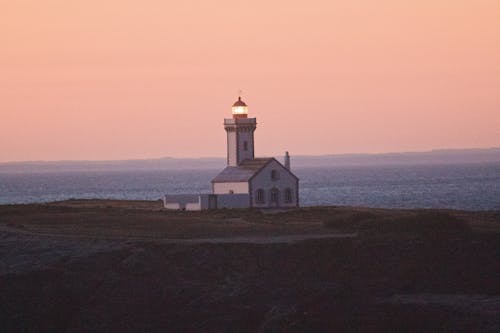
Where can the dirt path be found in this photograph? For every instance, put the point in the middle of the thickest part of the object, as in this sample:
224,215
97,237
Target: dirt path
23,250
212,240
265,239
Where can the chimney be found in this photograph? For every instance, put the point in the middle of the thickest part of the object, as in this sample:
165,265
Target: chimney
287,161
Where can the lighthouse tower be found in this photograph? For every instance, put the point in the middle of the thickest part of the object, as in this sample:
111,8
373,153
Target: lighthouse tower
239,128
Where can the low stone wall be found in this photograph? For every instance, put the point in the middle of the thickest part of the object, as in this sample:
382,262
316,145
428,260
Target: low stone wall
195,202
181,201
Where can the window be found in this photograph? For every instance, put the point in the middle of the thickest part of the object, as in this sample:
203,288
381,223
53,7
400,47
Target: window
288,195
274,195
260,196
245,145
275,175
231,192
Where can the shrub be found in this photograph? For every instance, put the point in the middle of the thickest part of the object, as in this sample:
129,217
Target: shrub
349,220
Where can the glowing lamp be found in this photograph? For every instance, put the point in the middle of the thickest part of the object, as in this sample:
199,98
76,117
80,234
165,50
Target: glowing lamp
239,109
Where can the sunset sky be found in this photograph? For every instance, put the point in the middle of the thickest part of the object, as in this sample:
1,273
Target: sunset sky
109,79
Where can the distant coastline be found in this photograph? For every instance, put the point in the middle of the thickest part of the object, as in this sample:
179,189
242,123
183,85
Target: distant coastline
442,156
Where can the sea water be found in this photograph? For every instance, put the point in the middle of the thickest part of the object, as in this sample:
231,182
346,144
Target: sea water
458,186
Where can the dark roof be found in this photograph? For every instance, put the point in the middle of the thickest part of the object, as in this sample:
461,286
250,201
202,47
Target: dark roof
239,102
242,172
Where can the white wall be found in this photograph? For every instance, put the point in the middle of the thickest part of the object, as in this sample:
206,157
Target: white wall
231,148
239,131
242,137
172,205
204,201
193,206
225,188
263,180
233,201
182,201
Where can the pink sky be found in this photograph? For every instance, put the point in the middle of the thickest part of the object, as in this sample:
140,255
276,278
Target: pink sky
143,79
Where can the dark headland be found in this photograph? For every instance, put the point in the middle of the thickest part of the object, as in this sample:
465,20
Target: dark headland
130,266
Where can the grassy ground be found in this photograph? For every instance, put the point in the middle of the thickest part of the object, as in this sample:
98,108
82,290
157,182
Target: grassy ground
118,266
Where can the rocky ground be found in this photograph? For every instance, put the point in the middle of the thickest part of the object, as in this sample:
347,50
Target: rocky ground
128,266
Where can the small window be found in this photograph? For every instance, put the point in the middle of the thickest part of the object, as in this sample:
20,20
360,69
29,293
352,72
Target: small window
275,175
231,192
260,196
245,145
274,195
288,195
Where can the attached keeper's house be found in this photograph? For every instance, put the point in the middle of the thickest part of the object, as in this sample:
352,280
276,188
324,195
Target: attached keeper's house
246,181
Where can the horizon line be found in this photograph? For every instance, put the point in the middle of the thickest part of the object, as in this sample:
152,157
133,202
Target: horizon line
222,157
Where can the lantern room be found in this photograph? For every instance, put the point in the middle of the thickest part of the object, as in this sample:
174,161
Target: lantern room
240,109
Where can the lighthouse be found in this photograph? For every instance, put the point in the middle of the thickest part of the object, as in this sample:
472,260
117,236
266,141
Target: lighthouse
239,129
259,181
246,181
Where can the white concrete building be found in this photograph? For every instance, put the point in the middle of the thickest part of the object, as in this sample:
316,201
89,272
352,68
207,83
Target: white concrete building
246,181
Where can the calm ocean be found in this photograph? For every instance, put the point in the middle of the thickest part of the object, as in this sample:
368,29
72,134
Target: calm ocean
460,186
